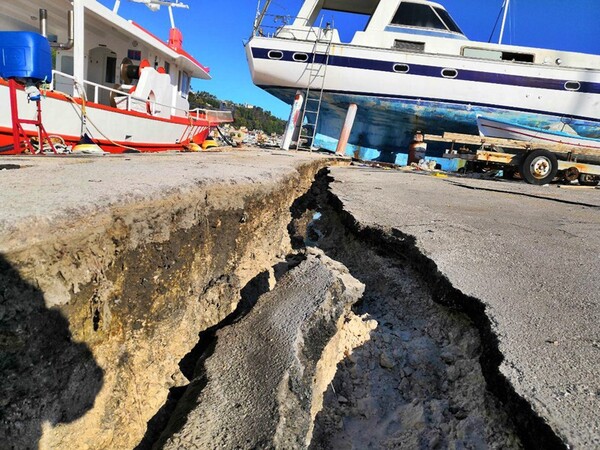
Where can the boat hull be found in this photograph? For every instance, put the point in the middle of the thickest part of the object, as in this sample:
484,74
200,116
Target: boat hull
114,130
392,106
580,148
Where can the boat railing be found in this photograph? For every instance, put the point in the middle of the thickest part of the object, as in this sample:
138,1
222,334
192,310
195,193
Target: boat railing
211,115
282,26
128,101
272,24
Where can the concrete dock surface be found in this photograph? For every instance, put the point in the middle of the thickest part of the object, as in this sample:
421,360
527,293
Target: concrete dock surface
530,254
42,193
147,250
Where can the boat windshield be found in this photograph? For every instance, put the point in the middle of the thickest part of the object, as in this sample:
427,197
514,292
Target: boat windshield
424,16
347,24
448,20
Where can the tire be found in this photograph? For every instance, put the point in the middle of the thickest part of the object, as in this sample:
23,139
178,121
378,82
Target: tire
539,167
588,180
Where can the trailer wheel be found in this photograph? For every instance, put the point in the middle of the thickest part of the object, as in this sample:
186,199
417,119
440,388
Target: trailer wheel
588,180
539,167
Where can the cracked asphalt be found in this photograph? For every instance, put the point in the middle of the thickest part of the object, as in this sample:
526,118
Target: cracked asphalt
530,254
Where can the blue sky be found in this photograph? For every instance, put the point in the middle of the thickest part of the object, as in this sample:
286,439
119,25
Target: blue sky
214,31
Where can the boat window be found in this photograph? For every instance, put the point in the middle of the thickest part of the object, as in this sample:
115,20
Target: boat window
401,68
496,55
449,73
346,23
184,84
167,67
417,15
572,85
517,57
409,46
300,57
448,20
275,54
482,53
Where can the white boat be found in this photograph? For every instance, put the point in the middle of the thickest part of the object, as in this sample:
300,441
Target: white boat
561,138
112,83
412,68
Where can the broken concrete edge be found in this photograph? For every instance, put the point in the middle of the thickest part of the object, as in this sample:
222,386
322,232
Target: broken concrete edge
119,296
297,338
119,226
319,349
533,429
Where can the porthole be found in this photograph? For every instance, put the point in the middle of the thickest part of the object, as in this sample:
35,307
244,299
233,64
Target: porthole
275,54
300,57
401,68
572,85
449,73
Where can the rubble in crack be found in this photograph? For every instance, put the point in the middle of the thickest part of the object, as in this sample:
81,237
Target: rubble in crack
263,384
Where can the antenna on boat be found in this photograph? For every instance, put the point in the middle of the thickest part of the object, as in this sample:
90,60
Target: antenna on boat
506,5
154,5
260,15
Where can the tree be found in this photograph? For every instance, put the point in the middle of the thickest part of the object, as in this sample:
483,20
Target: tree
251,118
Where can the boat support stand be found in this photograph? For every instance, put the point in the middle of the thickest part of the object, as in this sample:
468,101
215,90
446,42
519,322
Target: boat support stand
20,138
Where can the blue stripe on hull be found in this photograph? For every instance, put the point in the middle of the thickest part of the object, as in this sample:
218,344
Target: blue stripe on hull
385,126
436,72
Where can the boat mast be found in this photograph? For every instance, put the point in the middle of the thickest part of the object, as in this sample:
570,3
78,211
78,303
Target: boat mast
506,4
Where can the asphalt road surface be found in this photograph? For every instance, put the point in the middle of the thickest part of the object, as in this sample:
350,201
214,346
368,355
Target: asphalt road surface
530,254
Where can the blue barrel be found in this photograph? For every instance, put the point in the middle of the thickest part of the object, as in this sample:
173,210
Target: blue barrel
25,55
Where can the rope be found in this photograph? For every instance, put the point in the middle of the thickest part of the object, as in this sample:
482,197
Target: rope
85,119
496,24
225,139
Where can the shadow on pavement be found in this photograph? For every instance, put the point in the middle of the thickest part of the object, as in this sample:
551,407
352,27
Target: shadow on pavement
44,375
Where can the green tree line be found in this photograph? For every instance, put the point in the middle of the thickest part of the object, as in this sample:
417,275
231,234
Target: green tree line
252,118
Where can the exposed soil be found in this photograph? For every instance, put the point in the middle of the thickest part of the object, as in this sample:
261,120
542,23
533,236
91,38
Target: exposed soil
418,382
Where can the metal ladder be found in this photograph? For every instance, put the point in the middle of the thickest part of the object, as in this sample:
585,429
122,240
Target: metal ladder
316,70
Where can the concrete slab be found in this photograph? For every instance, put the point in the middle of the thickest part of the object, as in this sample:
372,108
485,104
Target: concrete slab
109,269
45,193
530,254
259,387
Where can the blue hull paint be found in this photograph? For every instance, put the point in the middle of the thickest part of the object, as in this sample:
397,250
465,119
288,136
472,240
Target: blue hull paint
384,127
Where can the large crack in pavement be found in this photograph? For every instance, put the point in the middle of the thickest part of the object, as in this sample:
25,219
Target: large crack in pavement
304,364
262,383
418,382
400,248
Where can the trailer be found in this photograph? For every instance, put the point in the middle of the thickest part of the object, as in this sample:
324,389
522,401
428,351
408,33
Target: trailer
537,163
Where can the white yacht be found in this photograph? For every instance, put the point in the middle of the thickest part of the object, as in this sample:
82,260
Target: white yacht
412,68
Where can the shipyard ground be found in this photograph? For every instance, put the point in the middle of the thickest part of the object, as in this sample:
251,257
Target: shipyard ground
268,299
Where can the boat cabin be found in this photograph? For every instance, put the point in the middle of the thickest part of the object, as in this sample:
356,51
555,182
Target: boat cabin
101,56
420,26
420,17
